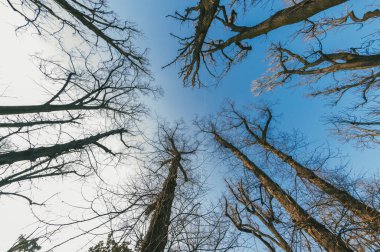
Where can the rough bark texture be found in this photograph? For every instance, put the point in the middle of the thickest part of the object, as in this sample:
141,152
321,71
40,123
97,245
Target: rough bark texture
366,213
316,230
157,235
207,12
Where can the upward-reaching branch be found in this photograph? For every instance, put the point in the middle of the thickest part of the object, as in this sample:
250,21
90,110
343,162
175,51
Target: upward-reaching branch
304,220
360,209
177,149
197,50
319,64
262,209
88,19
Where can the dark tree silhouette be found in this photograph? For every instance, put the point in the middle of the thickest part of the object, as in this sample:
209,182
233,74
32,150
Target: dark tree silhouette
199,49
92,21
320,233
262,207
107,93
340,207
157,234
330,70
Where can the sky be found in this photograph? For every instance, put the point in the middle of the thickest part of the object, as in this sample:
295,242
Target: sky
296,111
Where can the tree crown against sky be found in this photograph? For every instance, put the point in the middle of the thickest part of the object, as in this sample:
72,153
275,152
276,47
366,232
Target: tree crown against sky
100,89
306,53
94,82
100,81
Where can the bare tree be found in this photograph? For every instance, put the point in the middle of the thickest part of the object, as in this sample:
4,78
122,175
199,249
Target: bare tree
330,71
335,73
157,234
94,95
319,64
92,21
250,215
346,207
86,93
200,49
178,214
302,219
178,220
160,208
258,133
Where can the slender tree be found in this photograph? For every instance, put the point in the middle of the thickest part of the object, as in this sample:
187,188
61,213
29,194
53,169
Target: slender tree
320,233
255,214
102,82
170,206
258,135
92,21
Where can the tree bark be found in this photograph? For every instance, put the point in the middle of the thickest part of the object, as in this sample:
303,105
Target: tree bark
316,230
29,109
34,153
157,235
366,213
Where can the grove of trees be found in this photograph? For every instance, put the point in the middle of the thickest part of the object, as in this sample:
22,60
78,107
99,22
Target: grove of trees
281,192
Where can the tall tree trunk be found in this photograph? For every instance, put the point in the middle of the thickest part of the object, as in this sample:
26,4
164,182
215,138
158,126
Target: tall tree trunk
366,213
157,235
363,211
316,230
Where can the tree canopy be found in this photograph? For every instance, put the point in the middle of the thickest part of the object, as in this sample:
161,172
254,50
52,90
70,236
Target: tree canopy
232,179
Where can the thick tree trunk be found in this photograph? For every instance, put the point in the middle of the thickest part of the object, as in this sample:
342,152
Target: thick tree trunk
316,230
366,213
157,235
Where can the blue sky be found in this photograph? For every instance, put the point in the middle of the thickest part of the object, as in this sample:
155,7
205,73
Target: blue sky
295,109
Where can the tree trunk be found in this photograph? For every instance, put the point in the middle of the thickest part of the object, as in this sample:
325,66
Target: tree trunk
157,235
291,15
58,149
366,213
301,218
